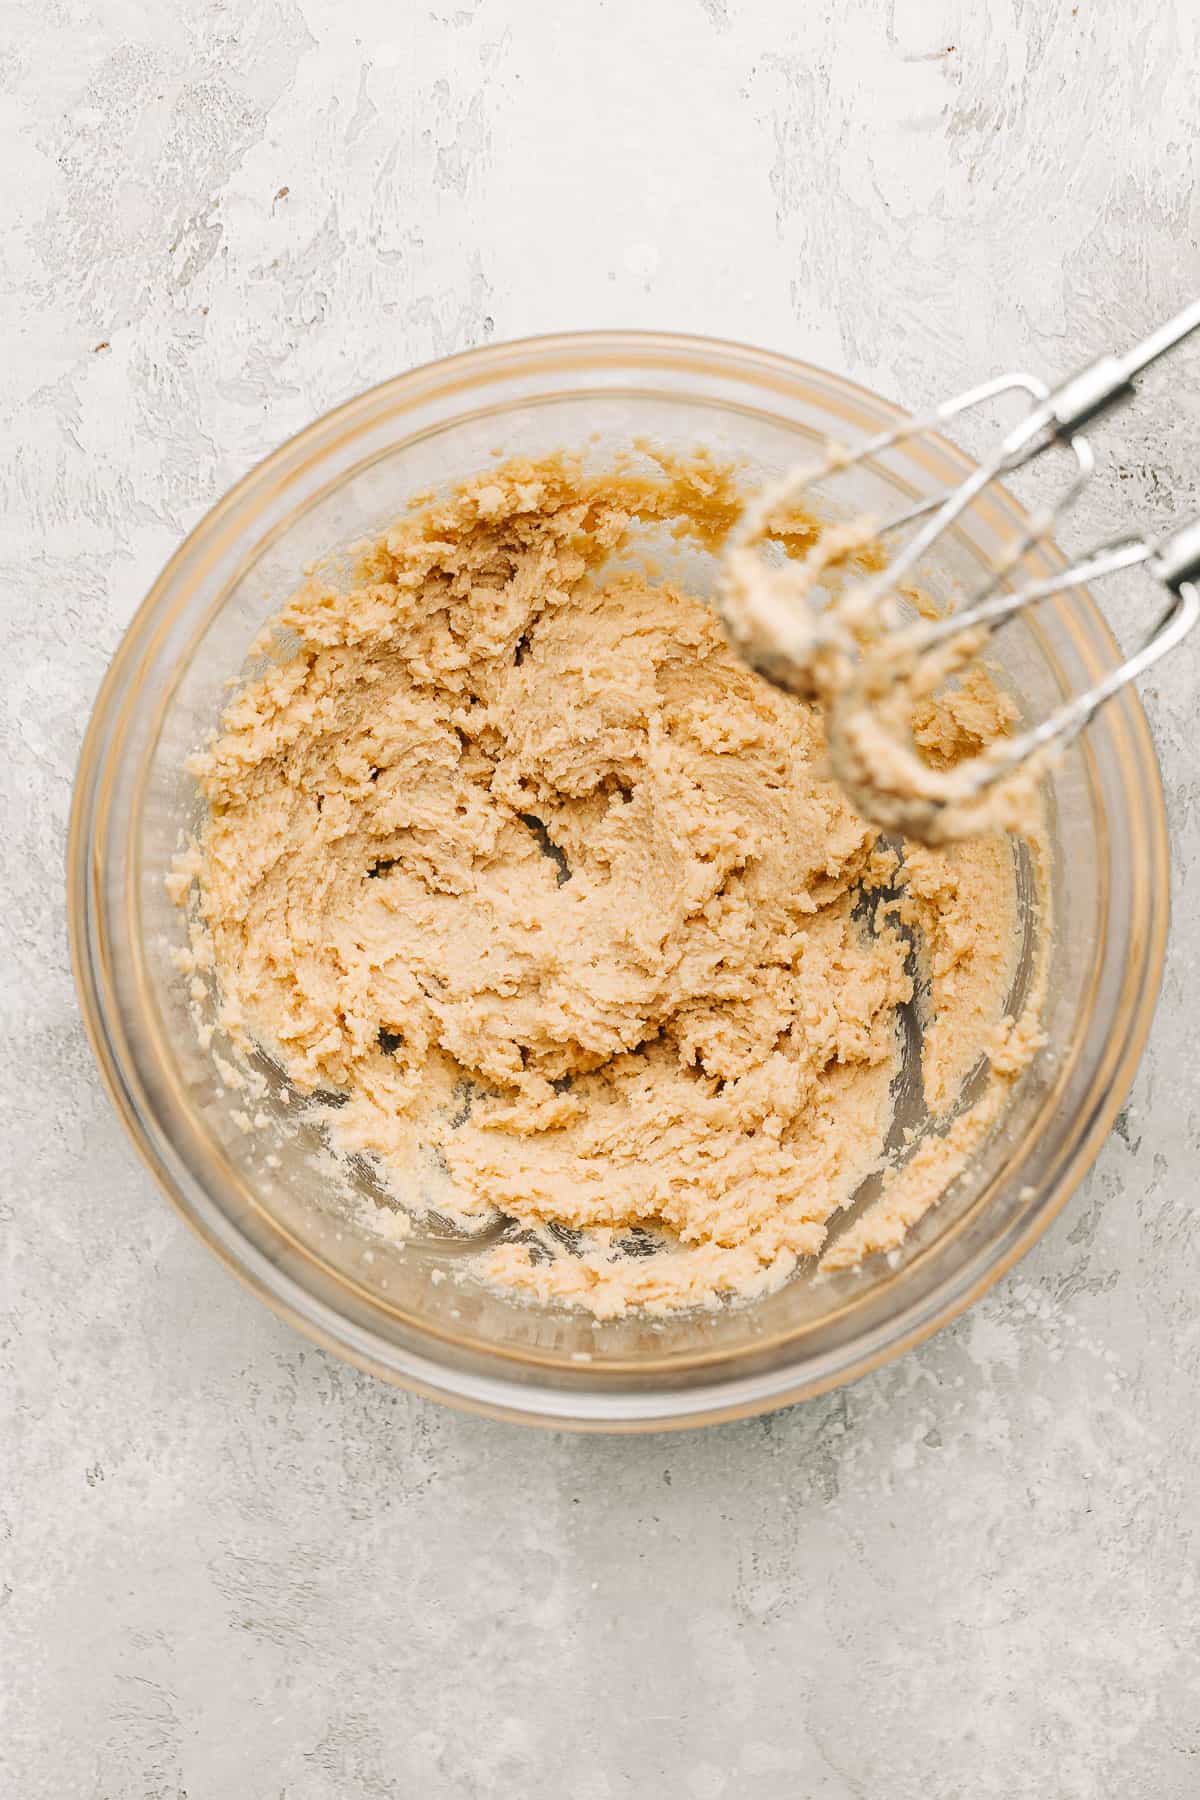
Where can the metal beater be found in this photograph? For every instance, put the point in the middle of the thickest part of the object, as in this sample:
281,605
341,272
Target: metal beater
857,654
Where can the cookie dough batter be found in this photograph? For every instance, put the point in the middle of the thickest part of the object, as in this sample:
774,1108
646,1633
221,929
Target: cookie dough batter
507,846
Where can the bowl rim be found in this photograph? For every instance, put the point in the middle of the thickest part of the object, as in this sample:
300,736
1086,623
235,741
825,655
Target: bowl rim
496,1396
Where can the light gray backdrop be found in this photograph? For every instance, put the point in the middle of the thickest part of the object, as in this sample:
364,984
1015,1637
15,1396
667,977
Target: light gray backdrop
233,1567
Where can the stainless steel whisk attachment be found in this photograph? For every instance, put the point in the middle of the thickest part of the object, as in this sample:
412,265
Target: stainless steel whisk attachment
869,665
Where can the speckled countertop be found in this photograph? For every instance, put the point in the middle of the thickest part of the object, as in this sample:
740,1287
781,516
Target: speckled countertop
233,1567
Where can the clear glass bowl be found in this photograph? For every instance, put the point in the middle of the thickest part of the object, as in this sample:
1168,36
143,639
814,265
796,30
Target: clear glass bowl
380,1305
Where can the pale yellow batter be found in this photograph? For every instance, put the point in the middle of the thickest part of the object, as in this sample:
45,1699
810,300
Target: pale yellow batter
510,848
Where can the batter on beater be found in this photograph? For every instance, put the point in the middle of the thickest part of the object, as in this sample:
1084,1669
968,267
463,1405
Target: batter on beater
510,849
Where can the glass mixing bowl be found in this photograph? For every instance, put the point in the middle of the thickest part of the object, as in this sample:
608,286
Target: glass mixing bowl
275,1221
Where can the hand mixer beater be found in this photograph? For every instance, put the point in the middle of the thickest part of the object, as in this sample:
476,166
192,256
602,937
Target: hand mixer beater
868,664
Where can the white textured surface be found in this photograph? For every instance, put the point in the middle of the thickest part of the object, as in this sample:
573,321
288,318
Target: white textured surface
233,1567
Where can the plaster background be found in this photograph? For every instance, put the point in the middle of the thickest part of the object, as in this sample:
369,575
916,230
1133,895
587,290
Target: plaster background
233,1567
